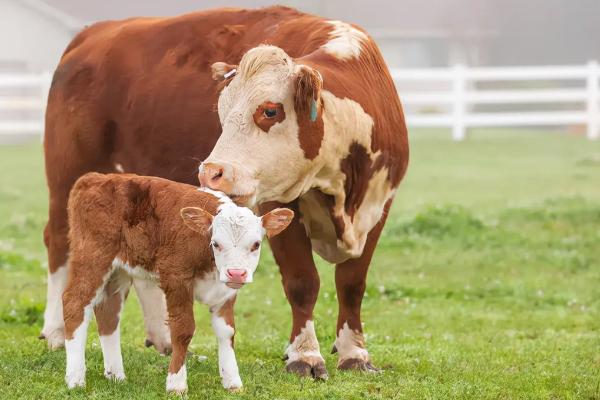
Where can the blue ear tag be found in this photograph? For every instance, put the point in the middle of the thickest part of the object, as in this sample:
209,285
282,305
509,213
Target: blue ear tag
313,110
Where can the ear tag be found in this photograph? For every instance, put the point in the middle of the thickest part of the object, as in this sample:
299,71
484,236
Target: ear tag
313,110
230,74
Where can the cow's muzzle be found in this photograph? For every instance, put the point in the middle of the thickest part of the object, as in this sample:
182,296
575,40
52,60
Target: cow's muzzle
226,178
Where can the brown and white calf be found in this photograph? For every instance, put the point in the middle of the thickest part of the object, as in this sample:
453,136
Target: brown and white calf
124,226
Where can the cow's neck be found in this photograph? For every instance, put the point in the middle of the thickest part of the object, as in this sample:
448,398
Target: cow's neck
346,193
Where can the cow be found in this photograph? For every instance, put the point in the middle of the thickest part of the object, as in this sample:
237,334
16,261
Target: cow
282,107
126,225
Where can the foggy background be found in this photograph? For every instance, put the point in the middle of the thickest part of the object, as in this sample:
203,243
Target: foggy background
411,33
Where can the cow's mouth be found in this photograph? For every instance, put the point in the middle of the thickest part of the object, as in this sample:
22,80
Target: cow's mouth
243,199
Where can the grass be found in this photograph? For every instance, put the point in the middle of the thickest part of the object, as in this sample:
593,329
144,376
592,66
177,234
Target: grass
486,285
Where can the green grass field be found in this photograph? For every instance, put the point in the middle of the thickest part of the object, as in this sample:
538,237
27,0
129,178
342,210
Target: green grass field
485,285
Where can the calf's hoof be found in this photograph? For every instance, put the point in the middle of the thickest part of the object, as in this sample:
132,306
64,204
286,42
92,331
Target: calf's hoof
357,364
75,379
316,369
55,339
117,376
232,383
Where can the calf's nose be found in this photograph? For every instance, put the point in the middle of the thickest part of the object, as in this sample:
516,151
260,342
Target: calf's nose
237,275
216,176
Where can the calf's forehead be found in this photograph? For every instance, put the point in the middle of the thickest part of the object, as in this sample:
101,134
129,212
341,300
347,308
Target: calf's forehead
236,224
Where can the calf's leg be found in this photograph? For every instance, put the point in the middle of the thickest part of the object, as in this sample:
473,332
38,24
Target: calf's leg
154,307
293,253
224,327
108,313
350,281
87,277
180,305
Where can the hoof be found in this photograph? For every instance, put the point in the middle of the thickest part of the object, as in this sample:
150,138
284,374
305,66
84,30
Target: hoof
114,376
55,340
162,349
357,364
304,369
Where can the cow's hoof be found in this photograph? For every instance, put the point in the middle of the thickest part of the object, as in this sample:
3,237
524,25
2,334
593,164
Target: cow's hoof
75,379
164,349
232,383
357,364
55,340
304,369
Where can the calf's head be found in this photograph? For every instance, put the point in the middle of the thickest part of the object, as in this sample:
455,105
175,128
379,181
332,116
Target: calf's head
236,235
270,112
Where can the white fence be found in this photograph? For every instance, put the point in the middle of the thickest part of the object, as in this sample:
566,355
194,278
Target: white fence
23,98
573,87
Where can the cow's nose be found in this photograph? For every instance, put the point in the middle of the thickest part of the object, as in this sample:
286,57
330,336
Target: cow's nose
237,275
214,176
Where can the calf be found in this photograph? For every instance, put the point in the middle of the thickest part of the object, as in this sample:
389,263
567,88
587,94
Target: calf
124,226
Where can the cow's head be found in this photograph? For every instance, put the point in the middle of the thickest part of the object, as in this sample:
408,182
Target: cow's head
271,114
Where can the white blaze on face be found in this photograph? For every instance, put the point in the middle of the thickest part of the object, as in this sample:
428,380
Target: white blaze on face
345,41
236,237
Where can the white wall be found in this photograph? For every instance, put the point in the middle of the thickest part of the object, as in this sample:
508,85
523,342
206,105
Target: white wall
29,36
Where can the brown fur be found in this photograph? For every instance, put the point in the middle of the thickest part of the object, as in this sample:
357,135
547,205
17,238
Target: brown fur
136,219
265,123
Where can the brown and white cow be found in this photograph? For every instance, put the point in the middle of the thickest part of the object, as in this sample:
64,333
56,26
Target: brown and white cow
311,120
124,226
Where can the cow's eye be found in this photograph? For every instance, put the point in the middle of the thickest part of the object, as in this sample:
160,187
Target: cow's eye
270,112
255,246
216,246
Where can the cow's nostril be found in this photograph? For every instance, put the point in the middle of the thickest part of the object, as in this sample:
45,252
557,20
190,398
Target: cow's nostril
218,175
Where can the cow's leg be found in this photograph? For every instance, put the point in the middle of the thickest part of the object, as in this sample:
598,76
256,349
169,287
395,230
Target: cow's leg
108,313
293,253
55,238
350,281
180,305
224,327
86,279
154,307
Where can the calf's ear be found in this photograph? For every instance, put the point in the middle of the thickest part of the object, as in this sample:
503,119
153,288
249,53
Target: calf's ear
277,220
309,83
196,218
222,71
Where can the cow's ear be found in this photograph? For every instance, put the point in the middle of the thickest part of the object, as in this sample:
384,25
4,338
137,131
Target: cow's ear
277,220
222,71
196,219
309,83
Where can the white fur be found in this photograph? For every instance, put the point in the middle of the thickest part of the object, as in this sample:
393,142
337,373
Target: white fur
111,352
75,349
53,328
228,368
345,41
154,306
211,291
177,382
350,344
305,346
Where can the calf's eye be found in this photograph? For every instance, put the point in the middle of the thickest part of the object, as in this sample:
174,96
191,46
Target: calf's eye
216,246
255,246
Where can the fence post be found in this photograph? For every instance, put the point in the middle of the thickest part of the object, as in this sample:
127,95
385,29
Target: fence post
45,82
458,89
593,97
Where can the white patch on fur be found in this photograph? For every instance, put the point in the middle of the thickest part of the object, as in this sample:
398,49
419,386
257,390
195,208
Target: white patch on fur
111,352
135,272
154,306
228,368
54,324
75,349
177,382
350,344
119,168
305,346
211,291
345,41
223,198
